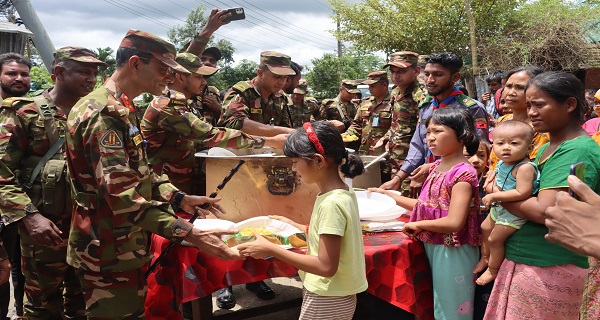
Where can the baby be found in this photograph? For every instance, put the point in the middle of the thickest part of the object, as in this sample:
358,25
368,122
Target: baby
516,179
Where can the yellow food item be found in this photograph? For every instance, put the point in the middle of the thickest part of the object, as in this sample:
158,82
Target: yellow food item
347,137
251,231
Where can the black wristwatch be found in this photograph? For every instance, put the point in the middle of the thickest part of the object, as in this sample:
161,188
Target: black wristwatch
347,124
176,204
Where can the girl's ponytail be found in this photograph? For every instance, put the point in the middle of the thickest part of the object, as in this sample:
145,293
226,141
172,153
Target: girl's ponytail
352,165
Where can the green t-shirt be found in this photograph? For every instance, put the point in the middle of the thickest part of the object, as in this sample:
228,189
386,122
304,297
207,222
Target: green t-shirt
336,212
528,245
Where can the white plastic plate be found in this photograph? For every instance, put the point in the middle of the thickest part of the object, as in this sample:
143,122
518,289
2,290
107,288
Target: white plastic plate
372,204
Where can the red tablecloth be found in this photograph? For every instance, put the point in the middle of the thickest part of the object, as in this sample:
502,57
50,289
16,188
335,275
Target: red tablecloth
397,272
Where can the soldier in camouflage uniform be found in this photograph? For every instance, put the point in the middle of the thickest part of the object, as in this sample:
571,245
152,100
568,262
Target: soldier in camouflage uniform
301,110
46,210
374,116
171,127
208,102
330,108
406,97
252,105
15,81
119,201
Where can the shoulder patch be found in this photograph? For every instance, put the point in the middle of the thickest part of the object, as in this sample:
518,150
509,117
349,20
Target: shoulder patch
111,139
116,110
467,101
242,86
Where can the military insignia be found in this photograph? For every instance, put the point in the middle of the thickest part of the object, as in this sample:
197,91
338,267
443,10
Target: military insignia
255,111
111,140
178,102
137,139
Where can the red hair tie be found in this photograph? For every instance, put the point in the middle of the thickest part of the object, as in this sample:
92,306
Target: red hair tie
312,136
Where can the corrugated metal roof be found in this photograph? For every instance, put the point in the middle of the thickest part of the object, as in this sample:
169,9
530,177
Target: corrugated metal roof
9,27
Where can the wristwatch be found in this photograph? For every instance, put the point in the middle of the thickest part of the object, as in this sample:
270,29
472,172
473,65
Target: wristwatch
176,203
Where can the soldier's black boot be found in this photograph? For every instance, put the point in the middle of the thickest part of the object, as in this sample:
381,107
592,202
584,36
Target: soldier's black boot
225,298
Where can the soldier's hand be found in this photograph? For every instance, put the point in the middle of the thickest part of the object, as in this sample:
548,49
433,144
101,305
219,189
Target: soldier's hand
43,231
380,143
209,241
215,20
4,271
192,204
277,141
338,125
393,184
211,102
415,189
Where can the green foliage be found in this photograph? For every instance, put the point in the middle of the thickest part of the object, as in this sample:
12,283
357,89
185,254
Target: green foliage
423,26
40,78
230,75
106,55
180,35
324,78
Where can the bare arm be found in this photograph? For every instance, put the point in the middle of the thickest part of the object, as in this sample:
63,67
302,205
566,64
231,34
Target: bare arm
405,202
325,264
259,129
460,199
533,208
213,23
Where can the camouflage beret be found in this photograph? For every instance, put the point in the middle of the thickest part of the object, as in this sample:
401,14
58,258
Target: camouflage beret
350,86
78,54
278,63
193,64
375,77
213,51
402,59
299,91
154,45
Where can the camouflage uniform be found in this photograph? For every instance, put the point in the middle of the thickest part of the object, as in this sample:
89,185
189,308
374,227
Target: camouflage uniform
405,108
172,129
119,201
372,120
329,108
204,112
36,125
303,113
243,100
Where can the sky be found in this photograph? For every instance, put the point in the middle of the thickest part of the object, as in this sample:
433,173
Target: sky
298,28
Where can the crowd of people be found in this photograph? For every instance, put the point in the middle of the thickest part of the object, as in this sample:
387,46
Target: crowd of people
85,179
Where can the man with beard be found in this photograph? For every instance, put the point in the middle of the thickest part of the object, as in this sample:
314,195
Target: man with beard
14,83
37,137
441,73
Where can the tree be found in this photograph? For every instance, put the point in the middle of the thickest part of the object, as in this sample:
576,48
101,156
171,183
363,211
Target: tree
230,75
324,77
40,79
106,55
554,40
180,35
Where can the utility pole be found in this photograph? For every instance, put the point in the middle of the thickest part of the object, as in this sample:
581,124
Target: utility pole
339,51
41,39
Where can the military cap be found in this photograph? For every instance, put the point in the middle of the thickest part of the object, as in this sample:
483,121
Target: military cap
303,84
402,59
278,63
423,59
597,94
213,51
193,64
78,54
375,77
154,45
350,86
299,90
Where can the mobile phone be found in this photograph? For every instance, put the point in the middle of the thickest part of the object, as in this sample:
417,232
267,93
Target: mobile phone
578,170
236,14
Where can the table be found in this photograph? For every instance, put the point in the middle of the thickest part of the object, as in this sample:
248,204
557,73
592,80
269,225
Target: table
397,272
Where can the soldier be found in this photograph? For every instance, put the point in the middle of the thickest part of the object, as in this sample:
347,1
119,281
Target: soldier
331,108
406,97
374,116
119,201
15,82
37,137
442,71
252,105
311,103
171,127
301,110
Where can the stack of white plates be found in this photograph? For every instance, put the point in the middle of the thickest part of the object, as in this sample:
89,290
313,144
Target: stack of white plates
379,212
